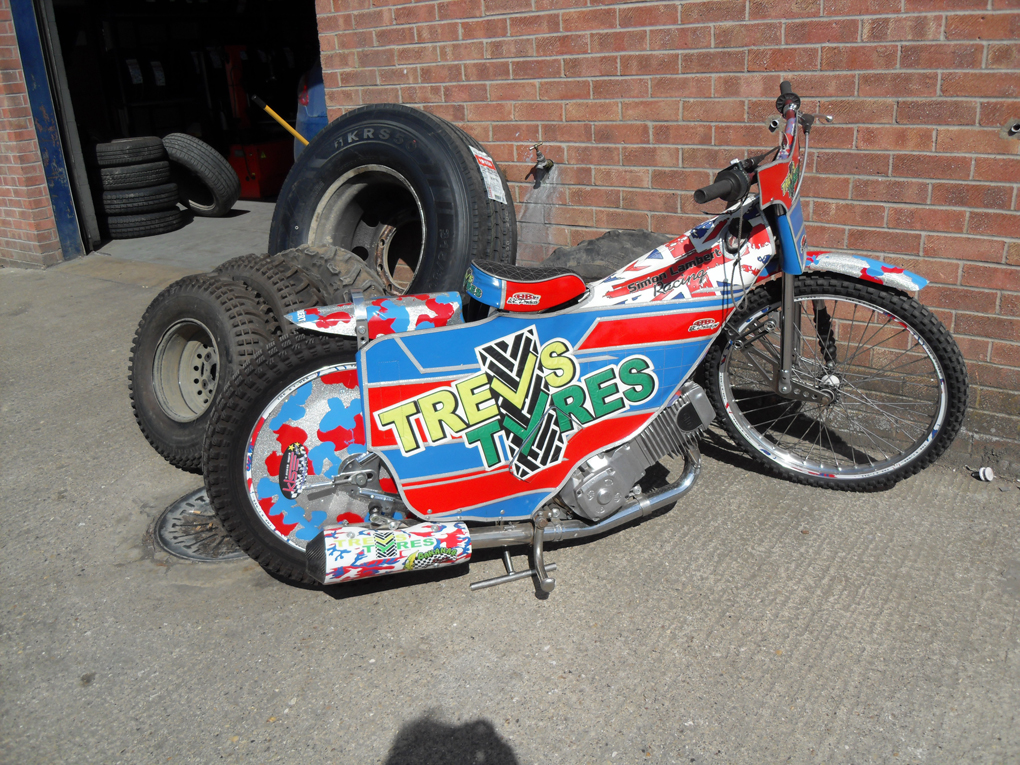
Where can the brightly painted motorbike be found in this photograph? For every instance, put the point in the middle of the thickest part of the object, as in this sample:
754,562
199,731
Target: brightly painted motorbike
393,435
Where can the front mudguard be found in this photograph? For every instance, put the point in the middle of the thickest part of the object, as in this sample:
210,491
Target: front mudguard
866,269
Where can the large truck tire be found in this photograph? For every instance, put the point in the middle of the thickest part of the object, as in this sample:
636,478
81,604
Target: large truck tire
192,338
209,186
412,195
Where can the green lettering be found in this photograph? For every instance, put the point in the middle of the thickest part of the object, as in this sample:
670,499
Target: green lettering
485,436
438,409
601,387
632,373
401,545
569,405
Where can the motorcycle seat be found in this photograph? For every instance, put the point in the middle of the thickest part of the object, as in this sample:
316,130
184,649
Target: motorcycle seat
521,288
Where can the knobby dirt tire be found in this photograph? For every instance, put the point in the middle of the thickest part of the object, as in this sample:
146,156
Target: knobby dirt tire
137,201
127,151
335,272
208,184
205,321
895,411
233,420
144,224
595,259
402,189
278,286
134,176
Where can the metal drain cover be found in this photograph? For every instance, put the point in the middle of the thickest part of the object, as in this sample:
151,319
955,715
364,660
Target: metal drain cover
190,529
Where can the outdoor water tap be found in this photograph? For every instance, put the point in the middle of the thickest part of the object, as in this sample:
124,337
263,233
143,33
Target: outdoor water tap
541,167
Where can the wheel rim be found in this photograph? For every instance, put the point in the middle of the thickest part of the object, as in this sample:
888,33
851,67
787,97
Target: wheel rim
889,390
374,212
329,428
185,369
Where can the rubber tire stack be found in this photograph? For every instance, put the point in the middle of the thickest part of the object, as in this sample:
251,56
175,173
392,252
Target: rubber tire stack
213,324
137,197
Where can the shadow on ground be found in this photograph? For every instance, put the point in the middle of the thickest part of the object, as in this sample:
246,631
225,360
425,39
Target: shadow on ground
428,741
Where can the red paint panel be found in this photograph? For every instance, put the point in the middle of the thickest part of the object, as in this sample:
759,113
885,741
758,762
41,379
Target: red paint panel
653,329
524,297
385,397
489,487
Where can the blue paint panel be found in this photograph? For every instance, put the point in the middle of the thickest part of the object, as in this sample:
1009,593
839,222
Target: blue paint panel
483,287
514,507
788,249
46,129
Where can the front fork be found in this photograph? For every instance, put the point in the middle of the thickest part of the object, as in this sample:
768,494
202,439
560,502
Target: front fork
789,338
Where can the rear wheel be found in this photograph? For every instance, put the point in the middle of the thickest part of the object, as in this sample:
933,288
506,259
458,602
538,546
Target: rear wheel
897,381
298,402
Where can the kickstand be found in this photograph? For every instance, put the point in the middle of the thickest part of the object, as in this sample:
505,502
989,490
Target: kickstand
540,570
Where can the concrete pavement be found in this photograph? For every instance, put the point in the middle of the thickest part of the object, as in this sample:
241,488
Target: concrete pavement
758,621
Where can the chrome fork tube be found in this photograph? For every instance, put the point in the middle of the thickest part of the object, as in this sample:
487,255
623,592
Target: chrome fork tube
788,322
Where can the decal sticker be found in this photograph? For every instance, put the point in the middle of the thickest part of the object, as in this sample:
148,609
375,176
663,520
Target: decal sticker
522,298
702,325
293,470
493,183
523,406
469,284
358,553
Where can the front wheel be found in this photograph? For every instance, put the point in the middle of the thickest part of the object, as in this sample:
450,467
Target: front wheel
896,378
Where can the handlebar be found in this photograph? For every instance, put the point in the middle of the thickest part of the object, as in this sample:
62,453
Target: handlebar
723,188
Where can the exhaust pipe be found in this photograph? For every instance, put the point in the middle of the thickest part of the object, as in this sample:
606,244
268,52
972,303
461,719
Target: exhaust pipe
346,553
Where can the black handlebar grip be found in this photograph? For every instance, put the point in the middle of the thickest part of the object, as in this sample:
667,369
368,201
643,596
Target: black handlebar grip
785,88
259,102
714,191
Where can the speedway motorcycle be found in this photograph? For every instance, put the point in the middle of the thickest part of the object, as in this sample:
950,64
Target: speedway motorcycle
394,435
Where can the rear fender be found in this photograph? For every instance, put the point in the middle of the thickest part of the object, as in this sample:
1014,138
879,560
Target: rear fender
384,316
867,269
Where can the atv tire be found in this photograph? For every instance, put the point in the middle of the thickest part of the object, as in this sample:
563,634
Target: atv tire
335,272
402,189
195,335
278,286
595,259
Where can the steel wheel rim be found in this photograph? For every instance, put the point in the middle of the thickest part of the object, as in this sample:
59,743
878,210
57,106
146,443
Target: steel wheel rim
863,419
185,368
296,521
374,212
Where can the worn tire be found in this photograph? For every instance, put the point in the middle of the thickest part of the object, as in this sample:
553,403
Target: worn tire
208,184
403,190
134,176
232,422
335,272
136,201
127,151
189,320
899,379
144,224
278,286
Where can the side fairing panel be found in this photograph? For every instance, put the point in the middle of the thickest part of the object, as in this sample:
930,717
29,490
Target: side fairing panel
487,420
868,269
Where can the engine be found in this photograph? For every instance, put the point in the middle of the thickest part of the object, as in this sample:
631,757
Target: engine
600,486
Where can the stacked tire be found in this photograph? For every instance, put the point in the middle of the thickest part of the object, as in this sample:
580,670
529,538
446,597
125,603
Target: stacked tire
202,329
137,196
387,200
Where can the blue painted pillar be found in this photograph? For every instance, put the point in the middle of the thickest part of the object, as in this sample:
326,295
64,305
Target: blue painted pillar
41,100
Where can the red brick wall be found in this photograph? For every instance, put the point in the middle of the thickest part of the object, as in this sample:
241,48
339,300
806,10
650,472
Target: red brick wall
639,103
28,233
